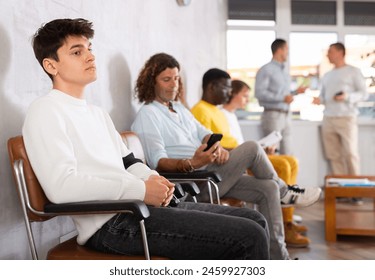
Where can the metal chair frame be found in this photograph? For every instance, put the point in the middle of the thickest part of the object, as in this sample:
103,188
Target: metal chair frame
26,205
132,141
50,210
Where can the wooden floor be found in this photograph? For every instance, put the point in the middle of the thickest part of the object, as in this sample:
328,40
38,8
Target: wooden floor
346,247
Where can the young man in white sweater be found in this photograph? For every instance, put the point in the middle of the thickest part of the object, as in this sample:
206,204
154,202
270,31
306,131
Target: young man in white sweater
77,155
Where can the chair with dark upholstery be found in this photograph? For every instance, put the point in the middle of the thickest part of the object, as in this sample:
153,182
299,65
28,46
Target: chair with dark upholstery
37,208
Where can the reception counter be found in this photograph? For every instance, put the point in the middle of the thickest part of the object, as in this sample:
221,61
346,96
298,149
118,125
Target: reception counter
309,150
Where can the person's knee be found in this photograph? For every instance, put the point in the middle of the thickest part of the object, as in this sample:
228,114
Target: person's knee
251,147
256,216
270,187
258,243
292,160
268,193
282,167
294,164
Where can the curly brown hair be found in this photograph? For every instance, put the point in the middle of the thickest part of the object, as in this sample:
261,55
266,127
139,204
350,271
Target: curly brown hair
145,85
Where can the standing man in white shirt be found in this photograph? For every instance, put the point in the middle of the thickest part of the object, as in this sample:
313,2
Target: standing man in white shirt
342,88
272,89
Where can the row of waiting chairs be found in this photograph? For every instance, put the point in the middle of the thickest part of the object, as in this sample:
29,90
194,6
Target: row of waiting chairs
37,208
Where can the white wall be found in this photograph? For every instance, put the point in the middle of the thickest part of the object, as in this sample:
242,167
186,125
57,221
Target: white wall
127,33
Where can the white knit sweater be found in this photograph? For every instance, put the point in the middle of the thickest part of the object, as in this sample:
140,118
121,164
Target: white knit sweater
76,154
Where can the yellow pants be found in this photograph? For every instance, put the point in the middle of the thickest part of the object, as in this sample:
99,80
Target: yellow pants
286,168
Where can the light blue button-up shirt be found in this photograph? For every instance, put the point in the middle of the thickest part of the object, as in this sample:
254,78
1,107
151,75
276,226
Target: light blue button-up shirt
272,84
165,134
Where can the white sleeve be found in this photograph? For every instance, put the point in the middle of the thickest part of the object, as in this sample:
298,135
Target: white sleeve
359,84
52,156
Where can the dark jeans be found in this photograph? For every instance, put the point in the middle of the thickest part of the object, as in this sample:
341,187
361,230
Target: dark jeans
189,231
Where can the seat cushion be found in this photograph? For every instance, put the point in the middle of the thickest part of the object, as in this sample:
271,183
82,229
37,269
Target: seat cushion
228,201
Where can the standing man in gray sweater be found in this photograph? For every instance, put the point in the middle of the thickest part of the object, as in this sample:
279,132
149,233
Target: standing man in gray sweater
342,88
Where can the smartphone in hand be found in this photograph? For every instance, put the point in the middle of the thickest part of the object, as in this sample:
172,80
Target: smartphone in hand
339,93
212,140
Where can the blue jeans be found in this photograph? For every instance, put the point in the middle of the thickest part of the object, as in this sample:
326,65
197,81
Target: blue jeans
188,231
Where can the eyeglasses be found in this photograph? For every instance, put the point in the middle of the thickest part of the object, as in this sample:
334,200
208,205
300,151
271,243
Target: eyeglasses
223,86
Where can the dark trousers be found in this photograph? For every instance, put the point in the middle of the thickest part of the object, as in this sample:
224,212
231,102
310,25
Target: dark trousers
189,231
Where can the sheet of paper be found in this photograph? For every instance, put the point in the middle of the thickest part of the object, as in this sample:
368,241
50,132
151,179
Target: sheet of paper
271,139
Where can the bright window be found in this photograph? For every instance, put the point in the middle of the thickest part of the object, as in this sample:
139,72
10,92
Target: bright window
309,27
307,57
247,51
360,52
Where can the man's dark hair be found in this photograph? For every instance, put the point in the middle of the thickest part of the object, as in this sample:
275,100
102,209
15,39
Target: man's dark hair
339,46
213,75
237,86
277,44
52,35
145,85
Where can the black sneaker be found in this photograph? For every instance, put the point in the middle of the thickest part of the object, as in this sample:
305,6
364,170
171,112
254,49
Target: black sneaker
297,196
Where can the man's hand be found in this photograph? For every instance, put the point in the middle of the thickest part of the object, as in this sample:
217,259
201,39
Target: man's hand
301,89
159,191
316,101
222,155
215,154
270,150
288,99
340,97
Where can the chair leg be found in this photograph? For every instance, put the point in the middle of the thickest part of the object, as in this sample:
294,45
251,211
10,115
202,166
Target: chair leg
144,239
30,236
18,169
212,183
210,192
